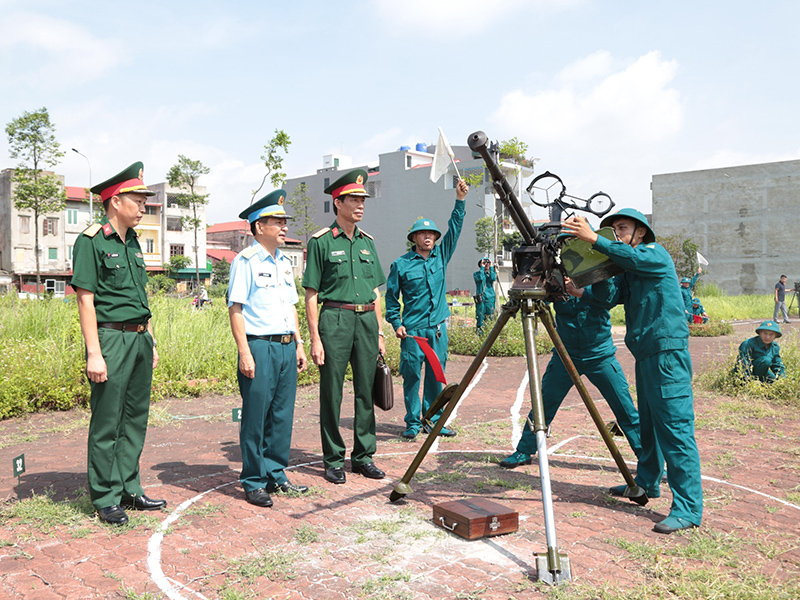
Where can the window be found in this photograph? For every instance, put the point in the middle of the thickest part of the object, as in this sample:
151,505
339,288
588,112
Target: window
172,200
69,252
24,224
327,207
335,162
149,245
374,188
72,216
52,254
408,161
174,224
50,227
176,249
150,210
55,286
326,183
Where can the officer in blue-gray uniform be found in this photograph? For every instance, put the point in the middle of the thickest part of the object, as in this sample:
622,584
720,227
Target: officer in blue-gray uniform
419,276
585,329
261,305
658,337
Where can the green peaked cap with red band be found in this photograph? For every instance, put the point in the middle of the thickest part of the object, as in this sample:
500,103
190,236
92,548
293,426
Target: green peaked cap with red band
352,183
128,181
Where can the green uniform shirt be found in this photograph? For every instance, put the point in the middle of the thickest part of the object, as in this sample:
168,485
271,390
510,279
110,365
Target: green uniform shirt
759,360
114,271
343,270
584,327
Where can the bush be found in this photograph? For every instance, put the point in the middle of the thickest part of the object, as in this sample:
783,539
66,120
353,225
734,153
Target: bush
464,339
160,283
711,329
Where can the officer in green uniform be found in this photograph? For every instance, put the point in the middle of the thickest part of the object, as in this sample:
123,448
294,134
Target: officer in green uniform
419,276
760,356
658,337
110,281
261,305
484,278
585,329
343,307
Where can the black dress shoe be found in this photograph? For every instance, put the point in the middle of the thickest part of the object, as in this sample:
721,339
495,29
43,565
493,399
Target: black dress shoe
114,515
286,487
259,497
335,475
144,503
369,470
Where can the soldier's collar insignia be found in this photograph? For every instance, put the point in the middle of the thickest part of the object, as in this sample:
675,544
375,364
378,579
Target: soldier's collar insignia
335,232
107,229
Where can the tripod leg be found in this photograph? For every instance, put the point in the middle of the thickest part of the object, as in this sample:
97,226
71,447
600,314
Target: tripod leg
452,398
634,492
555,568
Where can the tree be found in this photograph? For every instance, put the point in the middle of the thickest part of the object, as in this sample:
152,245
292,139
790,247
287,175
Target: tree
31,139
514,149
303,211
176,263
221,272
473,177
683,252
484,236
274,161
184,176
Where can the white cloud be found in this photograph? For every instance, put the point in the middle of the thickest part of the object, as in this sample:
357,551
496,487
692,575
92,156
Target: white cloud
632,105
70,55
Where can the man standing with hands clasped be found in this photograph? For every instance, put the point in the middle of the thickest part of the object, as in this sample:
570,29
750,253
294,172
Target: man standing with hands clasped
342,277
261,306
419,276
658,337
110,281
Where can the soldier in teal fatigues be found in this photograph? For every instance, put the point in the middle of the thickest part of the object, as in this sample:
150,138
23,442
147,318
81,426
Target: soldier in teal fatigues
261,306
585,329
419,276
698,312
687,289
110,280
342,276
484,278
658,337
760,356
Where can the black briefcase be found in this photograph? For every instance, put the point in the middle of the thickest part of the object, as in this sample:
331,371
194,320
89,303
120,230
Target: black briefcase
382,390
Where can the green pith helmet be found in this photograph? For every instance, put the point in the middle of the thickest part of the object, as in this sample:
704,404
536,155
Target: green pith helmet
769,326
424,225
351,184
270,205
483,259
696,301
685,280
631,213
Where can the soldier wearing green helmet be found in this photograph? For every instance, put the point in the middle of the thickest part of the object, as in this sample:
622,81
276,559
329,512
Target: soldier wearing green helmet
658,337
485,297
760,356
419,277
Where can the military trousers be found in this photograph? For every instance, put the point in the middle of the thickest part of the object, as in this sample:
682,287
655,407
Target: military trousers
412,360
265,435
666,412
120,406
607,376
484,311
347,337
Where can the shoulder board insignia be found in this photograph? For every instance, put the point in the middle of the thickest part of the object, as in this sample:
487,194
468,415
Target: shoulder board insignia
366,234
92,230
250,251
321,232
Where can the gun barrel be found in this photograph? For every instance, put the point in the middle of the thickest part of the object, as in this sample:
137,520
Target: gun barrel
477,143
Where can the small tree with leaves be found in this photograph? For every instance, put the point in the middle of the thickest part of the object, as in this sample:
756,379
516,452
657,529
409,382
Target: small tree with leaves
273,161
303,211
221,272
184,176
484,236
683,252
176,264
31,139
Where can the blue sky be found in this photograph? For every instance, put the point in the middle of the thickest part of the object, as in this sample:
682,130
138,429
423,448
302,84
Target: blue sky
606,94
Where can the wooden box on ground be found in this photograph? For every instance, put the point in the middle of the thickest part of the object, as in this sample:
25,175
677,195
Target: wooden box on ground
474,518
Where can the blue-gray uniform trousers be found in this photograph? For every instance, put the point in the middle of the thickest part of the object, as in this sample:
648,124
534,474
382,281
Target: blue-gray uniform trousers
411,362
666,411
265,436
607,376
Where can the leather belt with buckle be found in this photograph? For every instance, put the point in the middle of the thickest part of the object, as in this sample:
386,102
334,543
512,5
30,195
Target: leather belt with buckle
285,338
137,327
359,308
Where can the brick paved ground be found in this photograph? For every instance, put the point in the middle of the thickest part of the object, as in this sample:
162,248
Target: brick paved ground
349,541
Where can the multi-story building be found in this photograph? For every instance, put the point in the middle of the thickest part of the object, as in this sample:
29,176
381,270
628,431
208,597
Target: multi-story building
401,192
741,218
226,240
177,236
